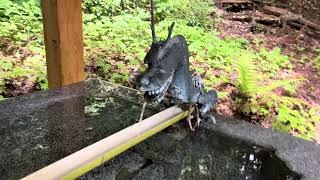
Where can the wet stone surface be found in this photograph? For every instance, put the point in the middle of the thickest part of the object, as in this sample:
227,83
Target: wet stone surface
178,154
39,129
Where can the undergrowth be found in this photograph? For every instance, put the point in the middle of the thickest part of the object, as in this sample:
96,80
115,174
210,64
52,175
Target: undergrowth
317,60
117,36
288,114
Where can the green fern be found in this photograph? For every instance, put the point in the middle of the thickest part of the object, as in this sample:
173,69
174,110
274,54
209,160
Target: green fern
247,81
290,85
296,121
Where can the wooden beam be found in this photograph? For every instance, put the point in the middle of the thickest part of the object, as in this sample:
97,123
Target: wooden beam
63,34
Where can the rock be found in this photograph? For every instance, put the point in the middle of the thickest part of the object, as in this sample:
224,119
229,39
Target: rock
152,172
126,166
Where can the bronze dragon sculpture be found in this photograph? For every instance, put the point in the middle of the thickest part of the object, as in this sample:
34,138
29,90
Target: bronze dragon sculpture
168,75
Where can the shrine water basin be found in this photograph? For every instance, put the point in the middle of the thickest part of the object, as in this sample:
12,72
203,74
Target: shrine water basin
41,128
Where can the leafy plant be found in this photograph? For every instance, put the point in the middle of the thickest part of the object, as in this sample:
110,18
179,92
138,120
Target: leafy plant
26,16
32,69
247,81
270,62
195,12
98,9
297,122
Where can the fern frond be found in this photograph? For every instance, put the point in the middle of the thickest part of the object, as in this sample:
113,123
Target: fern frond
247,81
291,85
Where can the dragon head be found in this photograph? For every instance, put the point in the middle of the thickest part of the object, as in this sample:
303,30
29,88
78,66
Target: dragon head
156,79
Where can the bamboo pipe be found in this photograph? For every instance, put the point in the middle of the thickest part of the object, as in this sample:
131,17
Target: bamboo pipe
86,159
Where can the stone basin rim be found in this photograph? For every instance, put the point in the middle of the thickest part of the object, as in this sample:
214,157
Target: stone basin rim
302,157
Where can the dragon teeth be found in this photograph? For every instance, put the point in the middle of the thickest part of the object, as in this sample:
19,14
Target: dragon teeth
154,92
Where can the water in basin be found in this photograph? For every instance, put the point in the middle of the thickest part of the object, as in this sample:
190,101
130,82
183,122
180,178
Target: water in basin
178,154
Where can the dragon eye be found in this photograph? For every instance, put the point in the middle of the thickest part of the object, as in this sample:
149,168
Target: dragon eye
162,71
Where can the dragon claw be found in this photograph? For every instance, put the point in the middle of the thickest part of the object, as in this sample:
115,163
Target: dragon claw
213,119
198,122
189,118
198,116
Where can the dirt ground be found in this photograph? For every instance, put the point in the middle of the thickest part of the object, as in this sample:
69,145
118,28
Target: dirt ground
310,9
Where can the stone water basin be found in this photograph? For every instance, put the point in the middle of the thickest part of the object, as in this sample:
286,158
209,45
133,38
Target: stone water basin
230,149
41,128
178,154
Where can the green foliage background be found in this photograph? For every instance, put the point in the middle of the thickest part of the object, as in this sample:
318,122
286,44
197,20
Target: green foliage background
117,35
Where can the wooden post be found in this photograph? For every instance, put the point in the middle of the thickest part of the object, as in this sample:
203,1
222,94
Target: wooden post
62,21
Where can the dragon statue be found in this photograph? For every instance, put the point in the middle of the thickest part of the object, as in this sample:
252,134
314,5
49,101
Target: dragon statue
168,75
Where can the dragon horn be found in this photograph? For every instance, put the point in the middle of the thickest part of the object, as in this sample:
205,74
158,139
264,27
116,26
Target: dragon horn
170,29
154,38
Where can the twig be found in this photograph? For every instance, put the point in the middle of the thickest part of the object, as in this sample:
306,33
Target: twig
142,112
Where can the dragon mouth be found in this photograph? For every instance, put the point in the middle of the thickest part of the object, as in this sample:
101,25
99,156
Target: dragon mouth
158,94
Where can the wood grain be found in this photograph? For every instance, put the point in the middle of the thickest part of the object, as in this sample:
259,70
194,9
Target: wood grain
63,34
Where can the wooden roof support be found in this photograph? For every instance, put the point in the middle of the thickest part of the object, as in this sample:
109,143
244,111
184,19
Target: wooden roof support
63,34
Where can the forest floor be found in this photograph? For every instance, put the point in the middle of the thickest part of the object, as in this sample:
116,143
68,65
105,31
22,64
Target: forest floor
294,42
